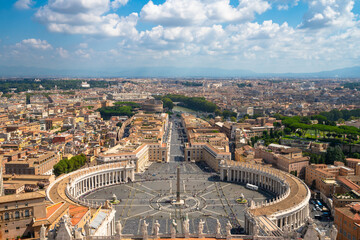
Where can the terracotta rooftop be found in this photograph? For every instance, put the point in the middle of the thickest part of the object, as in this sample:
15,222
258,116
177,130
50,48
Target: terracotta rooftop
53,213
76,213
350,184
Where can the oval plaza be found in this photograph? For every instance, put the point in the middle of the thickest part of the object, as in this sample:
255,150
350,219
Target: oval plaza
195,201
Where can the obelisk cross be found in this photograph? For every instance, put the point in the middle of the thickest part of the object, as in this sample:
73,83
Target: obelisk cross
178,185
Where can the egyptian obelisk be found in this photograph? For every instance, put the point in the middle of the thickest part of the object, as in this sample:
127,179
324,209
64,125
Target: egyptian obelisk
178,185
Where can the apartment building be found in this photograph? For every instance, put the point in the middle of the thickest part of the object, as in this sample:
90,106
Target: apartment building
34,164
17,213
285,158
204,142
145,143
322,177
347,221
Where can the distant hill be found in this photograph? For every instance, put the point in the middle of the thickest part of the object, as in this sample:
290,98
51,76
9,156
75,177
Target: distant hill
352,72
170,72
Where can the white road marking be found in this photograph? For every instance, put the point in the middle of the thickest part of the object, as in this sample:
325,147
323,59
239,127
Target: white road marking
146,187
211,211
142,213
139,190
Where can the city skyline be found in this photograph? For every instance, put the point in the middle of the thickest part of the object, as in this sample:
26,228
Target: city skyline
246,37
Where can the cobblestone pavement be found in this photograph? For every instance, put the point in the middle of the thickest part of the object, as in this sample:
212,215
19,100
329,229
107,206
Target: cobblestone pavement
205,198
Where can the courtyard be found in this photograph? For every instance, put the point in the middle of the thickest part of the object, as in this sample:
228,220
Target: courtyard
205,197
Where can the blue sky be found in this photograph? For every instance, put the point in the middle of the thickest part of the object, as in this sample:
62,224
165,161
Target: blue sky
112,35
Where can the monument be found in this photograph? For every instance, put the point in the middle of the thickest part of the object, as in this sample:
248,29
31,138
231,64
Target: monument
178,200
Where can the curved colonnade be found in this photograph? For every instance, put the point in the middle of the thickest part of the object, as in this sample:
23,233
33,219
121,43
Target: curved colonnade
72,186
288,211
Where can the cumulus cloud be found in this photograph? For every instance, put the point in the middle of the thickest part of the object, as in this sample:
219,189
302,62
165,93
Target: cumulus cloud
86,17
199,12
285,4
325,13
202,31
118,3
34,43
24,4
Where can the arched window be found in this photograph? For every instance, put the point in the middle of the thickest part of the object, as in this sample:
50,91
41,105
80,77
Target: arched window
6,217
17,214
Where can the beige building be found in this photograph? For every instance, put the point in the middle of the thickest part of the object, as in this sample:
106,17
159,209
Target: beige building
207,153
354,164
322,177
285,158
145,143
347,221
35,164
204,142
17,213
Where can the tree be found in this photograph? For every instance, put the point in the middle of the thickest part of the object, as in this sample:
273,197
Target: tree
341,120
287,130
334,154
233,119
272,135
168,103
69,165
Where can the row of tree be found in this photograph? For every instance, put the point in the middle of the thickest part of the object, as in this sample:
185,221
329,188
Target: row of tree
23,85
69,165
336,115
298,125
194,103
197,104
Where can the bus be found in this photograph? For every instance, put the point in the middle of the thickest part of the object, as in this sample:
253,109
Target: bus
252,187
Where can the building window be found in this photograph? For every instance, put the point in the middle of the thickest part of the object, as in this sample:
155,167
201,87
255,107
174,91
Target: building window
5,207
6,231
17,214
27,213
26,204
17,227
6,217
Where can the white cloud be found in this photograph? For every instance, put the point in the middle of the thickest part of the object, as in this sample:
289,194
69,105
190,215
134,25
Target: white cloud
200,12
34,43
285,4
118,3
328,13
200,33
86,17
82,53
24,4
62,52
